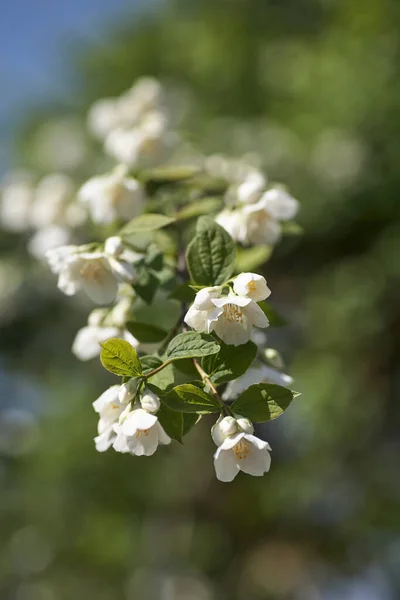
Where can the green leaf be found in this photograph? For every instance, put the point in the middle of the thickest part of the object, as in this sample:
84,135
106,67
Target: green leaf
144,333
119,357
183,292
164,379
150,362
171,421
170,174
291,228
146,284
274,318
189,421
263,402
211,254
191,345
250,259
191,399
204,206
145,223
230,362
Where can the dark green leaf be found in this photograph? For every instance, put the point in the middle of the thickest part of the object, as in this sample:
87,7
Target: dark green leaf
183,293
119,357
189,421
150,362
230,362
189,398
274,318
147,334
211,254
146,284
191,345
263,402
171,421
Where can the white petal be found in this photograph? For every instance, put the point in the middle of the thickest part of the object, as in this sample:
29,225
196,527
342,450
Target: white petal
256,316
105,440
281,205
101,289
226,468
231,299
143,443
107,397
232,440
203,298
256,463
252,285
87,341
233,334
196,319
255,441
163,438
120,442
138,419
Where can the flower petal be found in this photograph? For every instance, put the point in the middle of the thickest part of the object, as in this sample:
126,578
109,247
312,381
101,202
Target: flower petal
138,419
226,468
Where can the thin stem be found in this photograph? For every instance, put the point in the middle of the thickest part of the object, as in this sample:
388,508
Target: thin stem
207,379
158,369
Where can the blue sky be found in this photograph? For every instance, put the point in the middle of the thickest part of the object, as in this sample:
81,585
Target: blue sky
34,40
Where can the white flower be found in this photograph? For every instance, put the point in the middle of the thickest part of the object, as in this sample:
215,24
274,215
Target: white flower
250,190
16,201
149,401
112,196
86,344
238,449
103,117
232,317
259,373
90,271
251,285
259,222
51,197
127,391
48,238
140,433
234,222
146,145
109,407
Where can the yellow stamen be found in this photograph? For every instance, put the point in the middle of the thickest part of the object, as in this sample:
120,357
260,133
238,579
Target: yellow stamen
92,270
241,449
139,432
233,314
251,286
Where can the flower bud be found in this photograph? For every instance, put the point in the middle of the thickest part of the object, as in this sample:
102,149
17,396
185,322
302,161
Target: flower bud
203,298
245,425
97,317
127,391
113,246
149,401
223,428
273,358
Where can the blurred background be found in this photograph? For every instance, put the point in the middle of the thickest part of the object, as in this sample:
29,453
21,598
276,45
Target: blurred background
313,88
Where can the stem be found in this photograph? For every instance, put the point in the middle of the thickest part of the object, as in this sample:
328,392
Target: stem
158,369
207,379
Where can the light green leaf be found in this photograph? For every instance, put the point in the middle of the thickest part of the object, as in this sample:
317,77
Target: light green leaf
211,254
250,259
191,345
263,402
191,399
145,223
119,357
145,333
230,362
291,228
164,378
204,206
170,174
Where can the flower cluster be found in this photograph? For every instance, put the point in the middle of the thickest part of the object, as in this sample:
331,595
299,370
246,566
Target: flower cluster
177,319
255,212
231,316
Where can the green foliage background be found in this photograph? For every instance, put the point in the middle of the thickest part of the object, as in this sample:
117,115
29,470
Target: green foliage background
313,86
